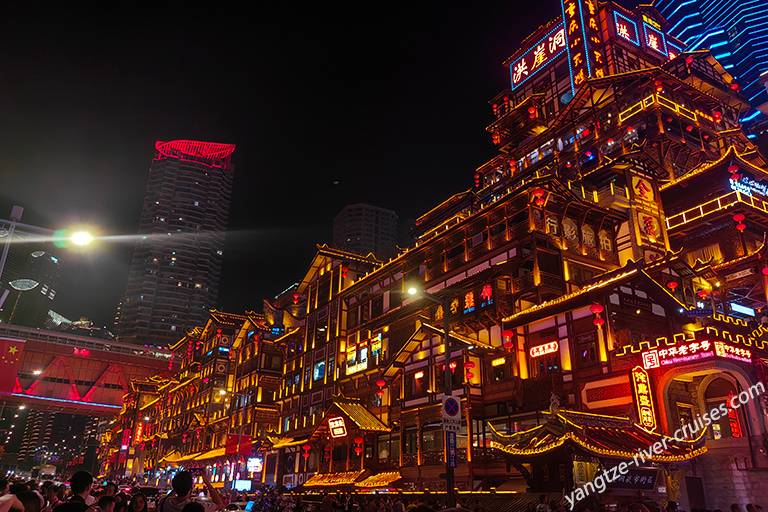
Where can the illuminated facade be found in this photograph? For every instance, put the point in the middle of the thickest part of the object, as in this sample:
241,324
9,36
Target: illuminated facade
174,275
603,279
735,32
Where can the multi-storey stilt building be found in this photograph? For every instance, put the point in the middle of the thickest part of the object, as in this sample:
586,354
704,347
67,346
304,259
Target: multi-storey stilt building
603,281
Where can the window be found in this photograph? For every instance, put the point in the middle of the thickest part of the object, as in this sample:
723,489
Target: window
319,371
416,383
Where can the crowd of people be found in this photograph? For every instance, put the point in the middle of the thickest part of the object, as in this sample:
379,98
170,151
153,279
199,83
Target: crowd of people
80,496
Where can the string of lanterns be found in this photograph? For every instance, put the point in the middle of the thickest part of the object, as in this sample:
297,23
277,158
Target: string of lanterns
597,310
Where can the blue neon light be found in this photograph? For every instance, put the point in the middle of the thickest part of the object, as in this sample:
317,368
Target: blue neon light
568,49
551,57
744,310
750,117
616,16
660,35
62,400
587,56
723,55
752,136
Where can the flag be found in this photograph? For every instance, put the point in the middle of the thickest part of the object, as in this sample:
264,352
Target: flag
11,350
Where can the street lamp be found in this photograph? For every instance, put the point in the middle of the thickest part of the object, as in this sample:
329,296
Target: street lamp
81,238
414,291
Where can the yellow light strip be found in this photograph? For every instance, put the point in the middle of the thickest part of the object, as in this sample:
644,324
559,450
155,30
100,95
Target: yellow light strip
713,206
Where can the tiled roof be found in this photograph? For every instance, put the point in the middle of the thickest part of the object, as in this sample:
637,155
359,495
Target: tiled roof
333,479
596,435
359,415
380,480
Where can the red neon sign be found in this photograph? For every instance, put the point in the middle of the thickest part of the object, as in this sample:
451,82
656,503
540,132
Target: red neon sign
641,383
547,348
694,351
213,154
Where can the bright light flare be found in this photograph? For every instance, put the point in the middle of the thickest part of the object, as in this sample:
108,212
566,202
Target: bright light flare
81,238
412,290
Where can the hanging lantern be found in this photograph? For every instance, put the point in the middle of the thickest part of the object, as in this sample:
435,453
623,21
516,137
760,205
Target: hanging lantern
735,177
585,132
672,285
733,168
532,112
358,445
470,375
496,138
739,217
306,448
659,86
596,309
703,294
740,227
539,201
495,108
718,116
610,142
452,366
380,393
598,321
735,87
507,339
689,128
296,297
381,383
538,192
764,270
359,440
689,60
344,271
469,364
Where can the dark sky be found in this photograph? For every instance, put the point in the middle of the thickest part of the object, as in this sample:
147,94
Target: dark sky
389,100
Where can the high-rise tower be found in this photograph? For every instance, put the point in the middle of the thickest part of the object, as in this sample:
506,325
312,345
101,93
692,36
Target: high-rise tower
364,228
176,266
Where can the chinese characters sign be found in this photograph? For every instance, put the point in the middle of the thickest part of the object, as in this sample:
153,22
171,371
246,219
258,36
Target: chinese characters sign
643,398
585,43
538,57
547,348
655,39
694,351
748,186
626,28
337,427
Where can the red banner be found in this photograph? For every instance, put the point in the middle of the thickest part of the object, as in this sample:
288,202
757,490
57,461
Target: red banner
10,356
238,444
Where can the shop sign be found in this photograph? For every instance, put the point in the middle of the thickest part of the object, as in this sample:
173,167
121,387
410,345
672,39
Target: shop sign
643,398
749,186
538,57
337,427
546,348
694,351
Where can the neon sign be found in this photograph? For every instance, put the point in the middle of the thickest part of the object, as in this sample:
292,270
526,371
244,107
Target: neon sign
748,186
694,351
337,427
626,28
655,39
538,57
643,398
542,350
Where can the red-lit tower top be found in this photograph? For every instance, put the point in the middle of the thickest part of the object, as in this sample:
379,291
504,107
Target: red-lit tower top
212,154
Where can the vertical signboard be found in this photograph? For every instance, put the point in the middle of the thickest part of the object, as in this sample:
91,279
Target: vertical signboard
641,385
585,42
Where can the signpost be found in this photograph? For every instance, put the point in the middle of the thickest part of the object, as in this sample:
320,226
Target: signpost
451,413
451,449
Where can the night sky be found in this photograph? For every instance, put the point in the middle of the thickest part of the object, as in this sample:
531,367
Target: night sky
389,101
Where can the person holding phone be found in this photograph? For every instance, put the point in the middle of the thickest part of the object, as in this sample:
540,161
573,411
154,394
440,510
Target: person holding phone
183,484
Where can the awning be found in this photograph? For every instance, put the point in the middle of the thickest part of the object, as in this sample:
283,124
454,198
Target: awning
172,457
359,415
285,442
333,479
595,435
380,480
211,454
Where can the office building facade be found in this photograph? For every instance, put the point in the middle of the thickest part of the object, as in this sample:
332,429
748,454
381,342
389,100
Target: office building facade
364,228
176,266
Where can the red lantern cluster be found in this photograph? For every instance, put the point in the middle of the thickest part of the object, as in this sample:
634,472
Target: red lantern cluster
718,116
597,310
306,448
532,112
358,445
477,180
344,271
496,138
659,86
538,196
739,219
380,383
296,298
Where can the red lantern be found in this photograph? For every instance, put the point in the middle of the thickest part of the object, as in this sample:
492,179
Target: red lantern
307,447
532,111
538,192
539,201
585,132
380,392
689,60
689,128
469,364
470,375
703,294
764,270
598,321
359,440
596,309
738,217
672,285
718,116
733,168
296,298
344,271
610,141
452,366
741,227
735,177
381,383
507,336
735,87
659,86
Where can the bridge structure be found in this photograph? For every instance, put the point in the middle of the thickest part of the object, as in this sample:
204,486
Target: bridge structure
54,370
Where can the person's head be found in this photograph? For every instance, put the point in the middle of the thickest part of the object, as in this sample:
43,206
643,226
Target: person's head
50,492
61,491
18,488
138,503
106,504
750,507
32,484
30,500
80,483
193,506
182,483
110,489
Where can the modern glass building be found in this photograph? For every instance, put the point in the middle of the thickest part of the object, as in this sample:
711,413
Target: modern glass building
737,33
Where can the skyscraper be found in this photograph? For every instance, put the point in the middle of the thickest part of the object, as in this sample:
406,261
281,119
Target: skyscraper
363,228
174,275
735,31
